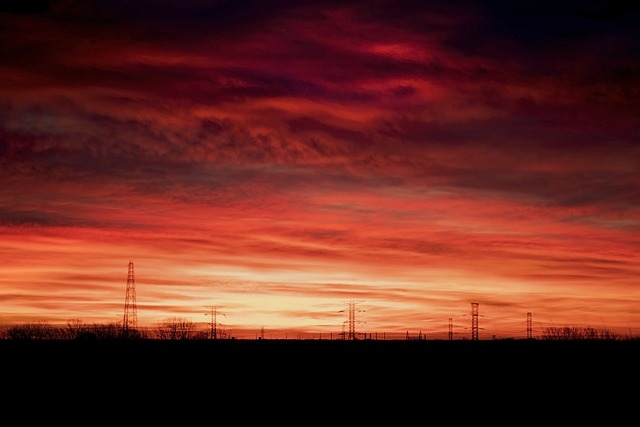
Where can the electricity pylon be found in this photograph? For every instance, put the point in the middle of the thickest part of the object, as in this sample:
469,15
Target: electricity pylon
351,334
474,321
214,321
130,320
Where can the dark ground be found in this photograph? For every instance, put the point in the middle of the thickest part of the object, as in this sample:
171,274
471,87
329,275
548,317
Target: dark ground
353,379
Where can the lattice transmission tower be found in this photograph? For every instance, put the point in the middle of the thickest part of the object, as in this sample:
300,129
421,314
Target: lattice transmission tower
474,321
529,326
214,321
130,321
351,321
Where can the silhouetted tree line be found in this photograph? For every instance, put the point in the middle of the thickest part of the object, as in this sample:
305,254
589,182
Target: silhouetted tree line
75,329
575,333
182,329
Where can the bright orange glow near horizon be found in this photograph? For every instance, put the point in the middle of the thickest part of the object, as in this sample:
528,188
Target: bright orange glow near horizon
282,161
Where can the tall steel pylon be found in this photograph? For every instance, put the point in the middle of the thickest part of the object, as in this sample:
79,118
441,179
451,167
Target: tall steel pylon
474,321
214,321
130,321
351,334
450,329
529,326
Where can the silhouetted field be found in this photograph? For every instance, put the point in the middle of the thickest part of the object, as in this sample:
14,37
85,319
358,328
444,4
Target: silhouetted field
377,375
295,358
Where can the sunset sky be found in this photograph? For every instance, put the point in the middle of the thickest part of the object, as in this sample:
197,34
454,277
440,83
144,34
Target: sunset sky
280,159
